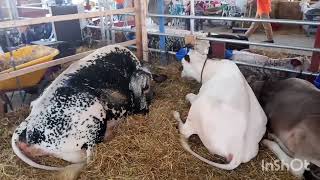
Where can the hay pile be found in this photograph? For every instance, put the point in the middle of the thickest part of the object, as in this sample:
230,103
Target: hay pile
144,147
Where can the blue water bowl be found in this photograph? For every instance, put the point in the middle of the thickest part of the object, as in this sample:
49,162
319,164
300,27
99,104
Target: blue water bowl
317,82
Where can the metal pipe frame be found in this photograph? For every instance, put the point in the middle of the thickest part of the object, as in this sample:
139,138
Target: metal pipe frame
244,42
246,64
155,50
237,62
282,21
277,69
113,29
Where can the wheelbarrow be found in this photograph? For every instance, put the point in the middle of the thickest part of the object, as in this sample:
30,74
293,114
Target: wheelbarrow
29,55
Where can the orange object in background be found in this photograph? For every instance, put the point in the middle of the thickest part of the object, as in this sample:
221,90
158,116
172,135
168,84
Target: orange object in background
119,1
263,6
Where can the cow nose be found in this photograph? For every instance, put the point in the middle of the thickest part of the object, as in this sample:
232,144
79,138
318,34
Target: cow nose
150,96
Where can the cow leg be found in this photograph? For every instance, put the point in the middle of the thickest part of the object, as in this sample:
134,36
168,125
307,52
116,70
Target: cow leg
191,97
89,153
284,158
73,157
273,137
109,135
185,129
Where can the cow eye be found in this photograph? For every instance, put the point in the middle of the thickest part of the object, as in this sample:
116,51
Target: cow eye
187,58
145,88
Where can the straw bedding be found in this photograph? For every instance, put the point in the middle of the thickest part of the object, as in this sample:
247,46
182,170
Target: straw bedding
144,147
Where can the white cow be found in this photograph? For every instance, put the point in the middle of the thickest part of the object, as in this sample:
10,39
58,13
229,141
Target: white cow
225,114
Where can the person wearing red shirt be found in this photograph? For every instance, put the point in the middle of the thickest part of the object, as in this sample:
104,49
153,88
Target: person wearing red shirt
263,12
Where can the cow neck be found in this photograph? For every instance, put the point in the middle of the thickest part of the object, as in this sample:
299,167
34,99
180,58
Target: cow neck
261,90
204,64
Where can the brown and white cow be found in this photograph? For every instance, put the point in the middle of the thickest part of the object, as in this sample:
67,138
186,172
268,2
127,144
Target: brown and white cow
293,110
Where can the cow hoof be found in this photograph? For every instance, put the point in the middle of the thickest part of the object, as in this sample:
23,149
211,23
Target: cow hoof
267,143
176,115
191,97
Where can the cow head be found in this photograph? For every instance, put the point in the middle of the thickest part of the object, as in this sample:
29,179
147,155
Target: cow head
194,59
261,87
140,85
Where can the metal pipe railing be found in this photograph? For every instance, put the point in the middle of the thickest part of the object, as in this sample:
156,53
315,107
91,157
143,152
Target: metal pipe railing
112,29
243,42
282,21
277,68
247,64
155,50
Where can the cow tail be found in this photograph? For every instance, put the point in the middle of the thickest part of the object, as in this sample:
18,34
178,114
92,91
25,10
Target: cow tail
66,173
233,164
23,157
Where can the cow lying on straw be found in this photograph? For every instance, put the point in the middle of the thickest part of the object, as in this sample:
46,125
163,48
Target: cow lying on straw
225,114
80,107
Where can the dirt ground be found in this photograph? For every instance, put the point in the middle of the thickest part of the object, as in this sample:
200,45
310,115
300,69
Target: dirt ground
144,147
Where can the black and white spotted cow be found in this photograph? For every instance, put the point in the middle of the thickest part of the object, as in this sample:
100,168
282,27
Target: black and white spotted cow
82,104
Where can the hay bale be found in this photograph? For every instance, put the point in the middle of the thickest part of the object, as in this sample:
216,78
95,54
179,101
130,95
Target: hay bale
144,147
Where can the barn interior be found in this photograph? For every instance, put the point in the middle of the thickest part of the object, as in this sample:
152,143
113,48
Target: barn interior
39,39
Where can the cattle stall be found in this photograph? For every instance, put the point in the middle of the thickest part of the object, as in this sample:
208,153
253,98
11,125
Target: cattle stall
147,146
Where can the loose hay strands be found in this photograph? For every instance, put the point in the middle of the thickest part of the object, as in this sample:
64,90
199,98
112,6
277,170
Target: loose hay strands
144,147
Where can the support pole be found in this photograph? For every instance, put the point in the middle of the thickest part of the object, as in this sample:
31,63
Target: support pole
137,7
315,59
192,13
162,40
102,23
12,8
144,30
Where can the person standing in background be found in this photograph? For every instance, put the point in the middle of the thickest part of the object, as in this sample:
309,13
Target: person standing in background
119,5
263,12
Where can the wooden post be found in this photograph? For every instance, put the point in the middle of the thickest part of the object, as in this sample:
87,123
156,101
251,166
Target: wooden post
315,59
137,7
144,31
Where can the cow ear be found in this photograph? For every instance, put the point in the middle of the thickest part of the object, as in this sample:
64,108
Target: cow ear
187,58
295,62
139,80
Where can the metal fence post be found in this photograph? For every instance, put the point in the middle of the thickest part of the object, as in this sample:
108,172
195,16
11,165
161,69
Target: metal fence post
162,41
315,59
192,13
